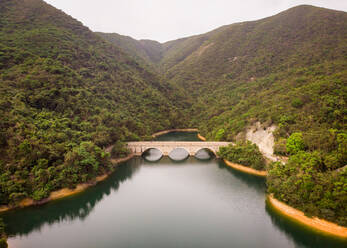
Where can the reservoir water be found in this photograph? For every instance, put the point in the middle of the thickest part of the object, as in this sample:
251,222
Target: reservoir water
197,202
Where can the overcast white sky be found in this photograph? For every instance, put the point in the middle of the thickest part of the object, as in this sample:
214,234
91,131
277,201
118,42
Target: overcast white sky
164,20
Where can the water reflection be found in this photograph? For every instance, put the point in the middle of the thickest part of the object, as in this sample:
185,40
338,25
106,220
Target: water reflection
201,203
254,182
204,154
178,136
152,155
179,154
24,221
303,235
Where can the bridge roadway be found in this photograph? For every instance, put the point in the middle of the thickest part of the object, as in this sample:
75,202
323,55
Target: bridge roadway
192,147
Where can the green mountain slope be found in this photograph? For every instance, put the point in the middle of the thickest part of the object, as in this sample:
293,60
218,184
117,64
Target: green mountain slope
64,94
146,52
272,63
300,36
288,70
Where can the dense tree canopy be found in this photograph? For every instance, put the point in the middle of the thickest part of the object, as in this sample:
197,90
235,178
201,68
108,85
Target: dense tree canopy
244,153
66,93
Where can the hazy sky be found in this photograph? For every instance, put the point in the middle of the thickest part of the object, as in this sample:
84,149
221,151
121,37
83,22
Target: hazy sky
164,20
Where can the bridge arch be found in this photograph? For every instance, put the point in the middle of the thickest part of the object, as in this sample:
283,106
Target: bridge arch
207,155
166,147
152,154
178,157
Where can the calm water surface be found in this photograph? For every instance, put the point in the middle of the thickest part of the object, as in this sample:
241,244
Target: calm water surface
192,203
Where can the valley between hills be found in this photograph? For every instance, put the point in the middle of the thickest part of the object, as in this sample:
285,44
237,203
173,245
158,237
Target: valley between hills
67,93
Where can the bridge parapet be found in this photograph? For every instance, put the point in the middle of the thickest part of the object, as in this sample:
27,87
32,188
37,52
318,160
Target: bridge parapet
166,147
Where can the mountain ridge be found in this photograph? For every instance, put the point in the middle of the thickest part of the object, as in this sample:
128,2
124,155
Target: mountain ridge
66,93
287,70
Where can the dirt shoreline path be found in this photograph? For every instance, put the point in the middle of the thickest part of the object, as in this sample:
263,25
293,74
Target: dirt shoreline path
245,169
315,223
55,195
175,130
83,186
201,137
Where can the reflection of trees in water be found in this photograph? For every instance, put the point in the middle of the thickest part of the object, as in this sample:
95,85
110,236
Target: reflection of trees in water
258,183
24,221
204,154
152,155
303,236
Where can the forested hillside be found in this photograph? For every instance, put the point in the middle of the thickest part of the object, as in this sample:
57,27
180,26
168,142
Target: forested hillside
64,95
288,70
146,52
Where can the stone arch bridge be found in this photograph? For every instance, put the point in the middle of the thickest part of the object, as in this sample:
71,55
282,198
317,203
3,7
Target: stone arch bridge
192,147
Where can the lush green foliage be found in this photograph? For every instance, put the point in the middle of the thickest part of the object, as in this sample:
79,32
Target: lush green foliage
245,153
65,94
119,150
295,143
315,181
3,243
307,183
288,70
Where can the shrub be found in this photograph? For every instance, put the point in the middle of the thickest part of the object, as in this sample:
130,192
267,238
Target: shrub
3,243
244,153
280,147
40,194
304,184
220,134
295,143
297,103
119,150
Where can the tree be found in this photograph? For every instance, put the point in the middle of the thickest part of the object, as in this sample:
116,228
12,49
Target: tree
119,150
295,143
3,243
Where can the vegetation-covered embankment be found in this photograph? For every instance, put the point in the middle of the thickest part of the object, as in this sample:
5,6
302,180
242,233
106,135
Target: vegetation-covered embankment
3,243
313,181
65,94
243,153
64,192
299,216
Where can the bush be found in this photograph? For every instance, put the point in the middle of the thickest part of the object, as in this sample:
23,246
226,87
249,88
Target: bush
295,143
40,194
244,153
119,150
297,103
304,184
3,243
220,134
280,147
